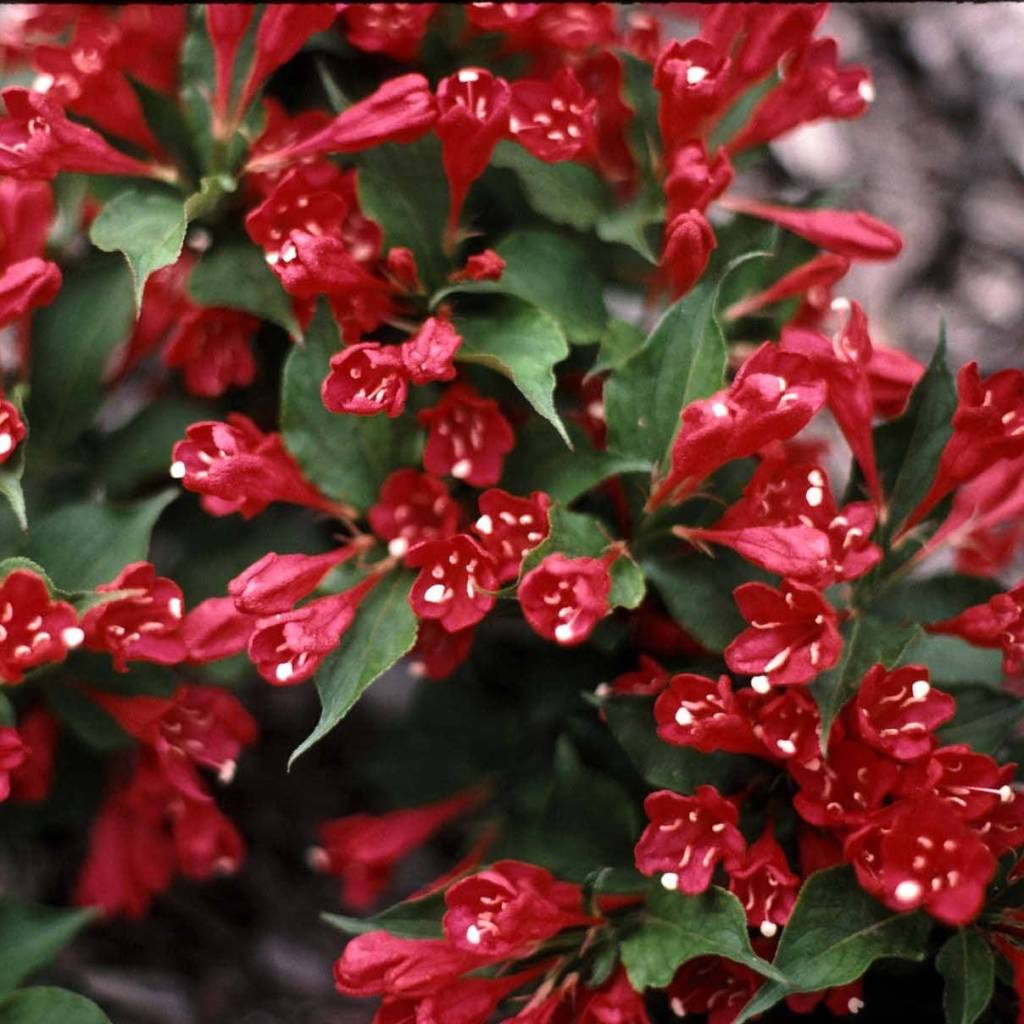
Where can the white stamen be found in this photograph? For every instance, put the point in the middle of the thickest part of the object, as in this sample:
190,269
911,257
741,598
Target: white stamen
462,469
398,547
683,717
695,74
855,1005
814,496
760,684
670,881
908,891
920,689
769,929
178,470
788,747
564,632
6,443
72,636
435,594
227,772
485,525
866,91
720,409
473,935
284,672
174,607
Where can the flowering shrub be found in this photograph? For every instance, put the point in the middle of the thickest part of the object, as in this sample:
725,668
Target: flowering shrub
344,337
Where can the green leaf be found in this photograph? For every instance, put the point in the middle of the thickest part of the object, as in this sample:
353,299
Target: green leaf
147,225
49,1006
521,342
167,122
683,359
404,189
347,457
909,448
384,630
985,718
72,339
633,225
933,599
13,469
410,919
234,274
968,967
676,929
836,932
565,193
666,766
618,343
212,189
31,936
866,641
86,719
85,543
954,662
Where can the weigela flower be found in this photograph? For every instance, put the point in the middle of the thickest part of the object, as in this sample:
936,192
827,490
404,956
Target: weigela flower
276,583
206,843
34,629
12,430
238,468
689,242
465,1001
694,179
694,711
712,985
216,629
482,266
473,116
998,624
970,783
601,76
310,264
687,836
456,583
765,885
365,379
988,426
509,908
648,679
509,527
840,1001
563,599
1001,828
898,712
13,754
468,437
142,625
574,26
226,25
691,80
812,281
214,348
395,30
361,850
793,634
413,507
786,722
774,396
615,1002
427,356
892,375
553,120
37,141
289,647
32,779
25,286
438,653
490,17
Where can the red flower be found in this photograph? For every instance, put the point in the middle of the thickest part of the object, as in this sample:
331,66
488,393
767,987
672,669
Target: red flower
647,680
214,348
468,437
310,264
12,430
427,356
473,116
998,623
601,76
970,783
396,30
892,374
438,653
206,843
413,507
237,468
276,583
689,242
898,712
712,985
144,625
465,1001
34,629
456,581
25,286
483,266
793,634
509,527
695,180
553,119
615,1002
216,629
786,722
813,281
844,790
765,885
687,837
564,599
694,711
289,647
366,379
32,780
227,25
490,17
362,850
774,396
691,79
13,754
508,909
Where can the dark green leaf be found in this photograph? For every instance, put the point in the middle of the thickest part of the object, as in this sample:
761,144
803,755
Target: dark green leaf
147,225
168,124
86,719
968,967
411,919
384,630
72,339
933,599
683,359
347,457
234,274
954,662
403,188
836,932
676,929
985,718
618,343
666,766
49,1006
31,936
85,543
521,342
565,193
865,642
634,225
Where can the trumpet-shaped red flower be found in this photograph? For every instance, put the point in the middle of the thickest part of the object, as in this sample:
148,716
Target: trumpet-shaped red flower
898,712
227,25
276,583
843,790
482,266
427,356
214,348
712,985
216,629
689,242
694,711
395,30
998,623
438,653
13,754
687,836
765,885
972,784
32,779
787,723
34,629
695,180
812,281
456,583
12,430
793,634
691,78
143,625
564,599
553,119
413,507
468,437
509,527
25,286
509,908
365,379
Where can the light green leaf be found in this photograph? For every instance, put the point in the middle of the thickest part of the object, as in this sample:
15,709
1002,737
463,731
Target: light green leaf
49,1006
634,224
212,189
384,630
836,932
148,226
677,928
410,919
968,967
347,457
31,936
521,342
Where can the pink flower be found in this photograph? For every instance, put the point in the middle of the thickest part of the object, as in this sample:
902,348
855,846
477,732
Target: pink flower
564,599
